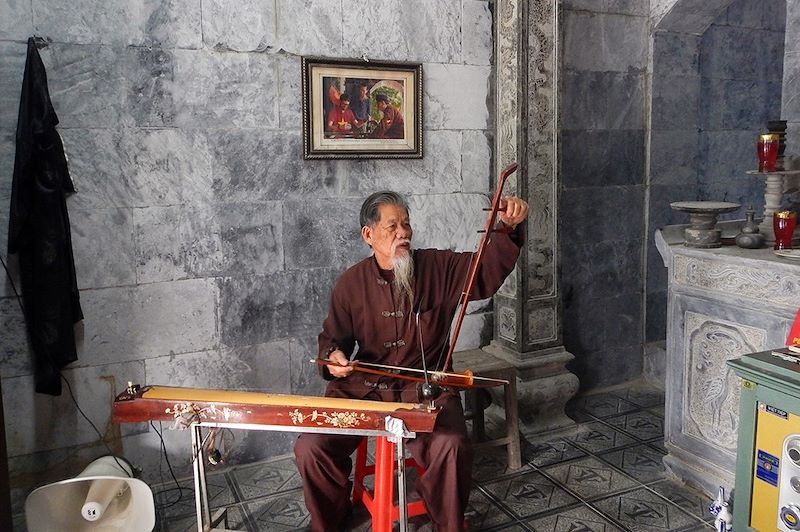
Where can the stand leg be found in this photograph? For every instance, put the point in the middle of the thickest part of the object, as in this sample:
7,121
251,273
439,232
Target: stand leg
401,485
200,488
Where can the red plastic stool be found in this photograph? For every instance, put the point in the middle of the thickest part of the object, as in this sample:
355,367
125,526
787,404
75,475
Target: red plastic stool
380,503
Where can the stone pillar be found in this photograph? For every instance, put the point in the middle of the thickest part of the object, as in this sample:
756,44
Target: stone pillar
527,329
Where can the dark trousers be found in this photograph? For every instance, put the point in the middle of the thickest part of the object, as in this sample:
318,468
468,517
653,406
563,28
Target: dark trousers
324,463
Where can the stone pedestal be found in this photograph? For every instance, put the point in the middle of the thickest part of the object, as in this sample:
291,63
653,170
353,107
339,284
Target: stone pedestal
543,387
722,303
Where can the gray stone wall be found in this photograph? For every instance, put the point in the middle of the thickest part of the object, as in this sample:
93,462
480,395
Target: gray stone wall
713,91
601,219
205,245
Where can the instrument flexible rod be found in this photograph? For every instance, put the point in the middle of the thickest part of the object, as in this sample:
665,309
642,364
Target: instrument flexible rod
477,257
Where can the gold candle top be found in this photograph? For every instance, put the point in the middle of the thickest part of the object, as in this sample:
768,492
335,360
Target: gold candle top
785,214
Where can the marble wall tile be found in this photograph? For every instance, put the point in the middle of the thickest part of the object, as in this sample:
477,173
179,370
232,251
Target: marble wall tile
599,214
12,66
290,108
262,367
148,320
618,43
311,27
138,167
692,16
323,233
259,309
790,95
476,161
86,85
727,155
448,221
623,7
623,315
15,358
8,148
476,331
439,172
225,89
149,85
17,23
595,158
674,156
138,22
258,166
609,366
600,270
617,100
380,29
792,25
767,14
660,213
181,242
751,193
476,32
741,53
103,249
676,54
676,102
241,25
38,422
656,326
446,105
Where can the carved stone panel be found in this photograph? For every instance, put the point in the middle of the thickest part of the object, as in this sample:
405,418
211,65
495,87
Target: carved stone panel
507,323
780,287
711,401
542,324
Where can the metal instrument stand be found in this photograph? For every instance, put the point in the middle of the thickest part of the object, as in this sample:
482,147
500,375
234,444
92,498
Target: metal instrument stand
204,523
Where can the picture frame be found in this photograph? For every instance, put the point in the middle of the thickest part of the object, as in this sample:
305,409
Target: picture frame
361,109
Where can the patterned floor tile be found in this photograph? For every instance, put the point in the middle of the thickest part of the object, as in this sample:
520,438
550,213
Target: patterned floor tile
493,463
482,513
529,494
236,520
578,519
643,425
604,405
590,478
642,510
544,453
266,477
691,501
597,437
642,462
285,511
641,394
172,503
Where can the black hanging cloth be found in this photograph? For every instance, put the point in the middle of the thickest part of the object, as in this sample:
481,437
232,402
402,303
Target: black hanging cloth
39,232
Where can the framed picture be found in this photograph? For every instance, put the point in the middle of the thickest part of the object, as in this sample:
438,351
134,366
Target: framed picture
357,109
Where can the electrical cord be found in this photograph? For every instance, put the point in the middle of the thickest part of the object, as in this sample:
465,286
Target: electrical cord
83,414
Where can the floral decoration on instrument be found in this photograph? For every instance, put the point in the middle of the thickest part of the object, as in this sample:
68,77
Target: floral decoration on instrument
187,413
337,419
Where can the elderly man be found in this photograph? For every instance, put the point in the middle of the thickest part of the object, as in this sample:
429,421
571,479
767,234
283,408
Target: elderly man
397,305
391,125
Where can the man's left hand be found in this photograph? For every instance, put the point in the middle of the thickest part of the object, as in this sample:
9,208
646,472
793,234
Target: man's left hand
513,211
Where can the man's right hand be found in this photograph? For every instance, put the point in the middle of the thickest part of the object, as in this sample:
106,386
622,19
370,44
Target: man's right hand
343,369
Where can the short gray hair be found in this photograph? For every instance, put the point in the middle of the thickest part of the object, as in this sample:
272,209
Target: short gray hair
369,209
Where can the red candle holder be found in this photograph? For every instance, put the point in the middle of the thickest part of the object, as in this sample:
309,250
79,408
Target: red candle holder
767,151
783,223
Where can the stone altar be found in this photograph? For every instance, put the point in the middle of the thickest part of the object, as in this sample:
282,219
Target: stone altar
722,303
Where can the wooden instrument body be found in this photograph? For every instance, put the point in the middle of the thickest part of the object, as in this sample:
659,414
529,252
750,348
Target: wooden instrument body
297,412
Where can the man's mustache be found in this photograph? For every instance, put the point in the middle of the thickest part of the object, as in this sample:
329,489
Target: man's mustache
400,243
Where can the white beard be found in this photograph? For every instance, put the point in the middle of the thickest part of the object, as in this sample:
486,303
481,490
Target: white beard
403,268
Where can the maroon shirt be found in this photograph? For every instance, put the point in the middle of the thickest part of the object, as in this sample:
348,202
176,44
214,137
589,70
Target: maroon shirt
367,313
